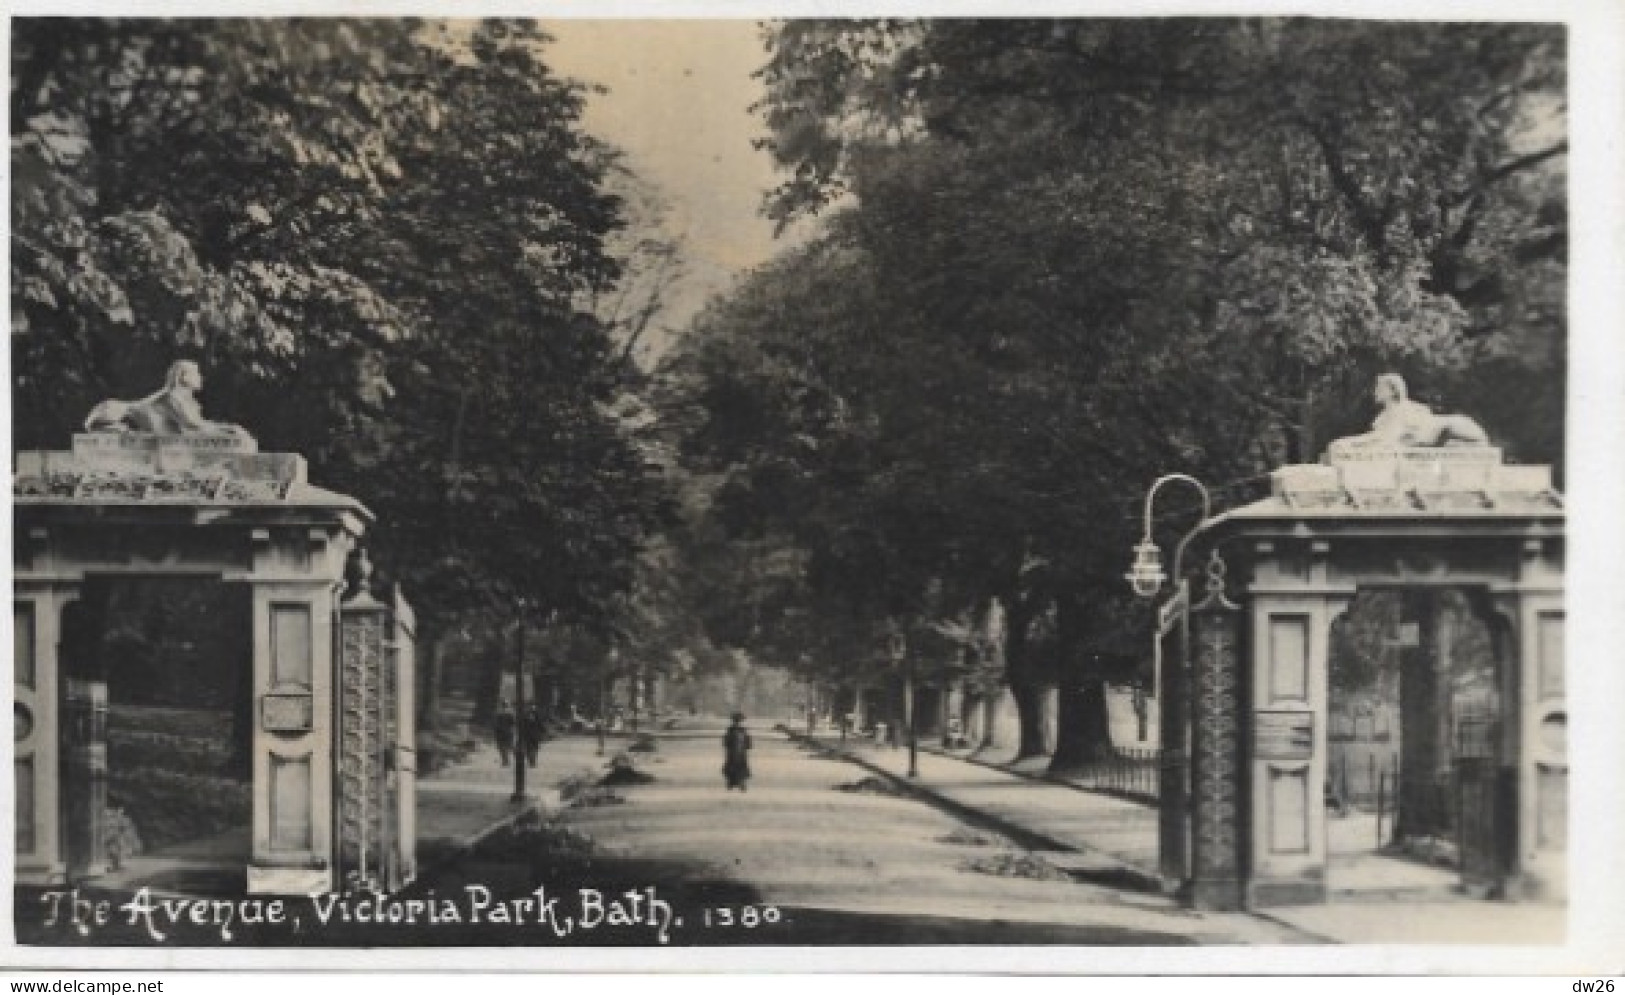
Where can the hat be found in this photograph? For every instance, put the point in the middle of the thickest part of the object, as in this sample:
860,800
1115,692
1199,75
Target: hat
739,716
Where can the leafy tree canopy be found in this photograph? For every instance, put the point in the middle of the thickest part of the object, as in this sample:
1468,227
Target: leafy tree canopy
384,240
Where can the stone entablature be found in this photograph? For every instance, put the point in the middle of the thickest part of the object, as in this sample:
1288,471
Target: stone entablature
143,468
1410,480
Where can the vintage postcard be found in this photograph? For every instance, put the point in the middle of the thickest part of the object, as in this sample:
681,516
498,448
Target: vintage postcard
1080,493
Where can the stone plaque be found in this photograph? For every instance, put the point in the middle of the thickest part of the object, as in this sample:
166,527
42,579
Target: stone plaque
1306,482
1449,469
1523,479
1283,735
113,451
1367,469
286,712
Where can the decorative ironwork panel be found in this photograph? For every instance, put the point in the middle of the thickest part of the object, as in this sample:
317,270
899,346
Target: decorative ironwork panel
1216,747
1217,720
360,743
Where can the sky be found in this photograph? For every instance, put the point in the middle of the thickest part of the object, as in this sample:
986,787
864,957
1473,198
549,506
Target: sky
677,101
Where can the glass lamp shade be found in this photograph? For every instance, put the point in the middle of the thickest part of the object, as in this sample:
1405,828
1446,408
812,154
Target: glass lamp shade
1146,575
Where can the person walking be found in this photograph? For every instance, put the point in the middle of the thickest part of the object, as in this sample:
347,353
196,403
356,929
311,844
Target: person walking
530,732
736,754
502,729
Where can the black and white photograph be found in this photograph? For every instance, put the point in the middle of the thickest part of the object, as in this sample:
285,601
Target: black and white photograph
1081,484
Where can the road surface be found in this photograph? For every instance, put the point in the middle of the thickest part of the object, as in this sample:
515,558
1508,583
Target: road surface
678,860
863,866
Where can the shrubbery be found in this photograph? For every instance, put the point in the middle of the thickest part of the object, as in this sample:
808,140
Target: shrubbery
166,775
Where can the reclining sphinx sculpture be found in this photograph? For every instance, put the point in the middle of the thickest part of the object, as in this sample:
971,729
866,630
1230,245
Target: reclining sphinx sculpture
1402,422
174,410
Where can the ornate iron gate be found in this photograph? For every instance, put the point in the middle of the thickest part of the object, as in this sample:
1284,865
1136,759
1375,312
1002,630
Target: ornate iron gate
375,757
1480,808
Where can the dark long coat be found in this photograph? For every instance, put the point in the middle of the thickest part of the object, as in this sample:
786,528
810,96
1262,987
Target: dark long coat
736,756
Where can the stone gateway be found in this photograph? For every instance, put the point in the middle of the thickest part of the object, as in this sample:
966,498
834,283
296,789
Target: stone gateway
1441,523
157,491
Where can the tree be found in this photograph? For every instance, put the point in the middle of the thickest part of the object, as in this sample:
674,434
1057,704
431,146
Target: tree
175,186
1194,244
383,239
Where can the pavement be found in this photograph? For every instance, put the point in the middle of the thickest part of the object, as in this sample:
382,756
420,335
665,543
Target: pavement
1110,838
1107,837
465,802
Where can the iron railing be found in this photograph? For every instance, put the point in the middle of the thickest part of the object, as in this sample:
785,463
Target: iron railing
1131,772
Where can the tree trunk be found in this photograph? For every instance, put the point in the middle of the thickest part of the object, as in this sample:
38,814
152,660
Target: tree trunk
429,681
1083,725
1422,754
1084,728
1302,439
241,762
1029,697
990,721
490,686
1025,685
634,695
970,709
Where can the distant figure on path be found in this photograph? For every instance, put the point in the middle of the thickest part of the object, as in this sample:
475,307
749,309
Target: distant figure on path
736,754
530,731
502,729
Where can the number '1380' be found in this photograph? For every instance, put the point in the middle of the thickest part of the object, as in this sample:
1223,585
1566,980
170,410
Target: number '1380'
747,916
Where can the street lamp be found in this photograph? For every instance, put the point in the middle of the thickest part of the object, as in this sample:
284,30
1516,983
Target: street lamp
1146,577
899,654
520,754
1146,574
611,662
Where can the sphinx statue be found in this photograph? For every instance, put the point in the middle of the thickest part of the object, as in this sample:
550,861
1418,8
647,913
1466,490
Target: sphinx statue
1402,422
174,410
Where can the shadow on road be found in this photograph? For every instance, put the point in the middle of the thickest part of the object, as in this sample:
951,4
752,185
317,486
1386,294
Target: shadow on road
490,898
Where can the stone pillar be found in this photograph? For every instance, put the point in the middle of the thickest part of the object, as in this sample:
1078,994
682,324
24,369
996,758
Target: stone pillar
37,607
294,580
1293,605
401,768
84,776
1217,817
1543,776
82,672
